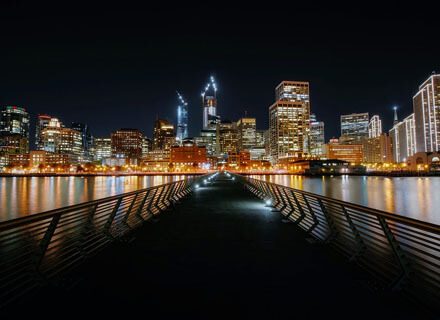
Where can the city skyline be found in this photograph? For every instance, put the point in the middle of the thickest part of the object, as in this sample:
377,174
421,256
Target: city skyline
97,68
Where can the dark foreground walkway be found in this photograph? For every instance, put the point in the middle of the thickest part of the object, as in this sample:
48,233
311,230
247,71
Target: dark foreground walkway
221,253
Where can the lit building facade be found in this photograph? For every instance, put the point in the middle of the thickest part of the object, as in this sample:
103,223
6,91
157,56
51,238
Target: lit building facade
247,128
352,153
426,104
374,127
127,142
14,119
378,149
403,139
209,105
65,141
43,121
86,140
228,137
316,137
208,138
13,143
188,155
163,135
289,121
354,128
102,148
182,119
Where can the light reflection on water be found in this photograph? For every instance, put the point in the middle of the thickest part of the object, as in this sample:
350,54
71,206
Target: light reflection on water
415,197
21,196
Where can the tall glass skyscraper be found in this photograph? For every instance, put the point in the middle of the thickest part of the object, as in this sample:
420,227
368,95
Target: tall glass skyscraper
354,128
182,119
14,119
209,105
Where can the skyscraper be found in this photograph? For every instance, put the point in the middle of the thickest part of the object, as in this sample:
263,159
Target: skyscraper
86,139
14,119
228,137
103,148
403,139
209,105
426,104
247,128
127,142
289,120
163,135
354,128
65,141
316,136
374,127
43,121
182,119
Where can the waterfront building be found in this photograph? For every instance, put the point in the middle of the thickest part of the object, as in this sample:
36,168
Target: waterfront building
127,142
188,155
426,104
289,121
352,153
163,135
182,119
424,161
374,127
59,140
354,128
324,167
102,148
403,139
86,140
14,120
147,146
209,105
378,149
246,128
316,137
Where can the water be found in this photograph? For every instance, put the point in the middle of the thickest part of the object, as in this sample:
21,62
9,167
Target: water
415,197
21,196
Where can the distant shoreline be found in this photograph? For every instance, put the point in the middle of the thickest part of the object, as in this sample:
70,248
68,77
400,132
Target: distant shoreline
102,174
120,174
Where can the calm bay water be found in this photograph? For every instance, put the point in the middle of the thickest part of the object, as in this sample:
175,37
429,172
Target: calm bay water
415,197
21,196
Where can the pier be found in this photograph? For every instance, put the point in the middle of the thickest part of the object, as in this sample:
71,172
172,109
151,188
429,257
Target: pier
213,246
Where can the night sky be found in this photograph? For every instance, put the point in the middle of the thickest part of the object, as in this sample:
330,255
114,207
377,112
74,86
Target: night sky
112,66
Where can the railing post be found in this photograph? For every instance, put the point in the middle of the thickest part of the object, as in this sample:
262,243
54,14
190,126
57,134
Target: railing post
315,220
330,222
86,229
150,204
124,220
357,235
398,253
141,206
110,219
290,204
45,241
301,211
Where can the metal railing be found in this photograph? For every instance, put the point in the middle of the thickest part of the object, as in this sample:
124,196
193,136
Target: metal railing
400,252
36,248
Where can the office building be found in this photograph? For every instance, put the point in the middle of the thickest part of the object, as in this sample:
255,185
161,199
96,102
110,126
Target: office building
426,104
86,140
163,135
209,105
289,121
378,149
374,127
354,128
352,153
228,137
403,139
316,137
14,120
182,119
246,128
127,142
102,148
208,138
66,141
